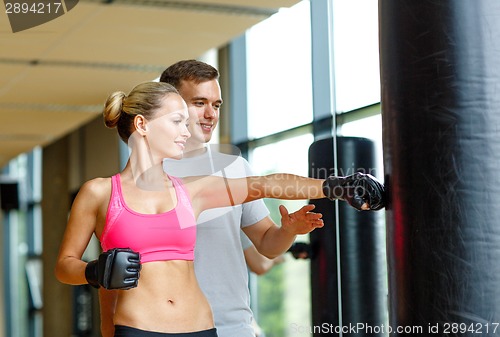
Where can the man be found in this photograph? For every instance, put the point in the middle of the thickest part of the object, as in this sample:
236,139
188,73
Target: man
219,261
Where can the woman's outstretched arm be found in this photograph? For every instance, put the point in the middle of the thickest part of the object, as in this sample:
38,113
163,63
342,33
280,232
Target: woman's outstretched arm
362,191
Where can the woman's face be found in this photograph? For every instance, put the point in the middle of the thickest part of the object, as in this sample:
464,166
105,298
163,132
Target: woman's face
167,132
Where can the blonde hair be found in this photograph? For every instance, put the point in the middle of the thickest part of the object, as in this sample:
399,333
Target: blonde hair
120,109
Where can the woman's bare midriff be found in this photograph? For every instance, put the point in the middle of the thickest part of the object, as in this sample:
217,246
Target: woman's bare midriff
167,299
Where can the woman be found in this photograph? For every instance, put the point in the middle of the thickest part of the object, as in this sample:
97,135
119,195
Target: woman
146,219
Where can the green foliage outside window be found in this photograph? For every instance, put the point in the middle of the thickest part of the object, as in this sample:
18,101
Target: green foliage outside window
271,289
271,308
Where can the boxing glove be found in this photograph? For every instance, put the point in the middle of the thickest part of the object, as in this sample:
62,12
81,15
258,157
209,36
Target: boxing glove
356,190
300,250
118,268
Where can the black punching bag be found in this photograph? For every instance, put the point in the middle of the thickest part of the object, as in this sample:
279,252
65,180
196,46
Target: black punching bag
440,80
360,257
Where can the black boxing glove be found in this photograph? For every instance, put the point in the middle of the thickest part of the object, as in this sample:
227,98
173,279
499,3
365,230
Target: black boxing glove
300,250
118,268
356,190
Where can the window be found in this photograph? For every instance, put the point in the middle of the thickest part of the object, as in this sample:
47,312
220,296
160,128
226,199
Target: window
284,293
355,36
279,72
280,116
371,128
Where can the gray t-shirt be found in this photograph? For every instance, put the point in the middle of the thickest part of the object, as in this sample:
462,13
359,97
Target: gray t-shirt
219,261
245,241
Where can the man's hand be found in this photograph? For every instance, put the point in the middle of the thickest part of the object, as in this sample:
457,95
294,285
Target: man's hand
302,221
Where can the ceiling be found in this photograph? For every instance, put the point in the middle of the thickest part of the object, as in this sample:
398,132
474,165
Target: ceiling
56,76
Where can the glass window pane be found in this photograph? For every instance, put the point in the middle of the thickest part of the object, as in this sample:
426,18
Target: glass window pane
287,156
279,72
370,128
357,75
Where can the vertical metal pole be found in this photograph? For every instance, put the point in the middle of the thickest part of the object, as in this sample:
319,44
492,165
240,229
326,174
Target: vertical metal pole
238,92
323,82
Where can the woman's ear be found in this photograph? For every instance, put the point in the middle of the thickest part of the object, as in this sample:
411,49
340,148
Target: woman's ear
140,124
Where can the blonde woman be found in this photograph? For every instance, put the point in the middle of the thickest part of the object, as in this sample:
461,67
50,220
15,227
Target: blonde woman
145,219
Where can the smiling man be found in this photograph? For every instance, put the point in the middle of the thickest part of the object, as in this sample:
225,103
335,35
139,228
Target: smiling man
219,261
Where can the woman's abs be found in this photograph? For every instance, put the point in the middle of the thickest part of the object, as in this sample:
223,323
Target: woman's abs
167,299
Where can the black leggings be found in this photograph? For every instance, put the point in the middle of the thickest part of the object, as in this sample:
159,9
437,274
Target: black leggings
126,331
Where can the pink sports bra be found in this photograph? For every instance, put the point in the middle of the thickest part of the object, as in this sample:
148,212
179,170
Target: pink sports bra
156,237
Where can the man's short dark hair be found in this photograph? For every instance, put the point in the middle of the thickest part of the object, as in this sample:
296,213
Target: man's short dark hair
189,70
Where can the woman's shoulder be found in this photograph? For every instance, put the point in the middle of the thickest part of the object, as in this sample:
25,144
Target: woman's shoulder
97,187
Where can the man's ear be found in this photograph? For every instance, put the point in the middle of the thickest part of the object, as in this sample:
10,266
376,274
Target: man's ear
140,124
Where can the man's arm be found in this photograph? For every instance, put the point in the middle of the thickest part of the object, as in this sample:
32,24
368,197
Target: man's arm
272,240
258,263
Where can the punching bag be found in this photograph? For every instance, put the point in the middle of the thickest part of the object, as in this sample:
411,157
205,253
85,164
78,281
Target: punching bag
440,82
352,273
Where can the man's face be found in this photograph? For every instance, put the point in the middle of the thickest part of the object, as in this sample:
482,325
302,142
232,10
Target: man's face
203,101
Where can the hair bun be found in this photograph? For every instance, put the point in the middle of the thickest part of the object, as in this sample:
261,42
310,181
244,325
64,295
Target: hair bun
113,108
